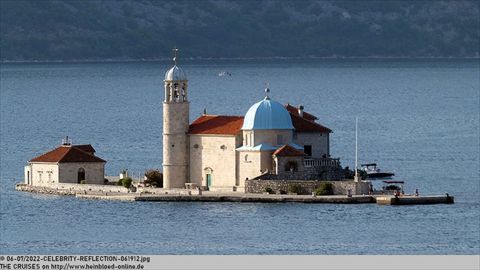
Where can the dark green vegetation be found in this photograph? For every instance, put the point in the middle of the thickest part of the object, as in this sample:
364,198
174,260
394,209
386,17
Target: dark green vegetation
269,190
324,189
148,29
126,182
154,178
295,188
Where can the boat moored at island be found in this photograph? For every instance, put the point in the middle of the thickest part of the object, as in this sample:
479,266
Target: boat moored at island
373,171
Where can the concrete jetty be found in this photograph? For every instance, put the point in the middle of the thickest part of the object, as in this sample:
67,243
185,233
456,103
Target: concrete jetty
239,197
122,194
409,200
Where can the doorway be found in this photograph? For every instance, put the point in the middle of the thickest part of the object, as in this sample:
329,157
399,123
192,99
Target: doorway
209,180
80,175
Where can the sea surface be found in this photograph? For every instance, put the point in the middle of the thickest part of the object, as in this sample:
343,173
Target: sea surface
418,117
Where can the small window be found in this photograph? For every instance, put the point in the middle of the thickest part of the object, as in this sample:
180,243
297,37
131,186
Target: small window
279,139
307,149
246,158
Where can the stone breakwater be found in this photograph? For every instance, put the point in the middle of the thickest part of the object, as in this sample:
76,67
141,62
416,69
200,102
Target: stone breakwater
241,197
182,195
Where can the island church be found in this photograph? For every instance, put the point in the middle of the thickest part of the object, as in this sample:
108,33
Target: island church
220,152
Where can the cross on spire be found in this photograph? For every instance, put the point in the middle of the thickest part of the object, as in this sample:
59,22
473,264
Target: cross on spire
175,52
267,90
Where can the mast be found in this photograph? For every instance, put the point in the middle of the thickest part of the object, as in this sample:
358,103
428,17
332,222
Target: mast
356,178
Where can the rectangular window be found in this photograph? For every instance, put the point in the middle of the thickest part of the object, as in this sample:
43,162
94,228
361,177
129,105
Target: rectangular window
279,139
307,149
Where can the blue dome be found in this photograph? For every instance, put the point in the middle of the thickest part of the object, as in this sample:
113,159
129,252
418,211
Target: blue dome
267,114
175,74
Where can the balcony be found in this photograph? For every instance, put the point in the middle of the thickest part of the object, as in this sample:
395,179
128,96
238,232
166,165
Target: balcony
321,162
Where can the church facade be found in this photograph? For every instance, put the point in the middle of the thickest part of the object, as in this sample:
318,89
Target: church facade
220,152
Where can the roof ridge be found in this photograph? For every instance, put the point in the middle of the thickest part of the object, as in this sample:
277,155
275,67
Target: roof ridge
66,152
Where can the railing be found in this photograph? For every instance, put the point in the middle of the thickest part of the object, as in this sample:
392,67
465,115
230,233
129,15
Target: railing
321,162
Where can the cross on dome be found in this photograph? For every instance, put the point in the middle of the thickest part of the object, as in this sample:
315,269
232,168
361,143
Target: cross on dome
267,91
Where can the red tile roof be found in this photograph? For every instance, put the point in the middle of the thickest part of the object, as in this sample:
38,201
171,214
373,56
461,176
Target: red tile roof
68,153
86,147
288,151
217,124
231,125
303,125
294,110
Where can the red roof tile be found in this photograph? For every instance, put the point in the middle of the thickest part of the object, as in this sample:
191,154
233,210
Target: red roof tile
303,125
86,147
289,151
66,153
216,124
294,110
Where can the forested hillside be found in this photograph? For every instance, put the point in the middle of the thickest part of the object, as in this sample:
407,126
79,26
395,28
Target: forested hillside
148,29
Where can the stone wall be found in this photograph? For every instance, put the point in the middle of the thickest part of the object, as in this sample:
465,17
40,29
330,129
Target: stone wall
215,155
308,186
71,189
175,144
46,174
318,140
314,173
94,172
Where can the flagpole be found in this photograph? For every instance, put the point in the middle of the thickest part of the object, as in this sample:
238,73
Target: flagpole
356,149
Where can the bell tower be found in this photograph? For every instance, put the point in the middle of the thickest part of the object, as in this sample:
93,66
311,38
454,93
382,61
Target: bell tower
175,127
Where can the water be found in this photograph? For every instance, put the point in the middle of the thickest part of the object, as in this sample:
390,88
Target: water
420,118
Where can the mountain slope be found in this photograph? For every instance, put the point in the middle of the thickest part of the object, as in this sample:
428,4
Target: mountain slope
148,29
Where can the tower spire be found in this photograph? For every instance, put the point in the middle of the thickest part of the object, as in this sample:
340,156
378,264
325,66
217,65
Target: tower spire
175,52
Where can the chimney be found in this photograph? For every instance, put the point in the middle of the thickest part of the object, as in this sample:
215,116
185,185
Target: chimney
300,111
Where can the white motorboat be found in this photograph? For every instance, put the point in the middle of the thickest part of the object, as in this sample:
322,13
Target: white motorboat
374,172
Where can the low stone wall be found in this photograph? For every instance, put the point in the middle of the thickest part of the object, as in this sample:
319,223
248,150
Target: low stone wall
316,173
71,189
307,186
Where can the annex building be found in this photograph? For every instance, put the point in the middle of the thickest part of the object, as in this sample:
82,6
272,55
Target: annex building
73,164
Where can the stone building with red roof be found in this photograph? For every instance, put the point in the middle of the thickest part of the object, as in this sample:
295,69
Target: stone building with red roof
67,163
219,152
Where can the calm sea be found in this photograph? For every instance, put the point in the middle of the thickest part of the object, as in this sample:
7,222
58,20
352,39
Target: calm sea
420,118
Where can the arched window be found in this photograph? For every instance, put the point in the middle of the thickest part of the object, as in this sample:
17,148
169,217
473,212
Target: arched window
80,175
176,94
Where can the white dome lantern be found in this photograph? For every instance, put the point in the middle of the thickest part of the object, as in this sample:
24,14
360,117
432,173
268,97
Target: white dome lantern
175,74
267,114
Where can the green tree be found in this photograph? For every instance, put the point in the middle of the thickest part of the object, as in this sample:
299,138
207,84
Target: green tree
154,178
